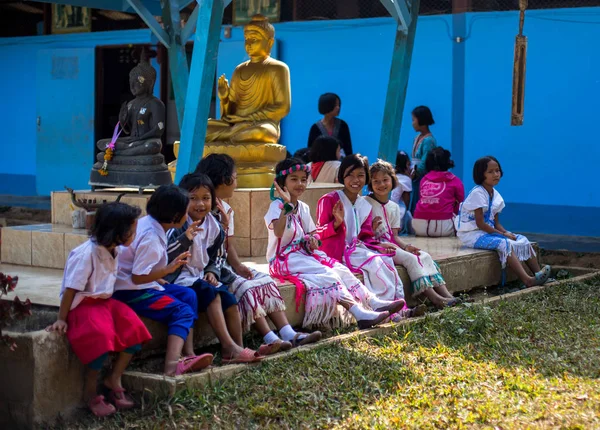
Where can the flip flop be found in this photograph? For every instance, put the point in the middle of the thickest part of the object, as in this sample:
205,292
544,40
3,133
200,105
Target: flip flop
193,364
100,408
393,307
269,349
454,302
121,400
313,337
365,324
246,356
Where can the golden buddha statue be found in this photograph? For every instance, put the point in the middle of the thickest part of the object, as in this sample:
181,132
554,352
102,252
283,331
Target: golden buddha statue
252,106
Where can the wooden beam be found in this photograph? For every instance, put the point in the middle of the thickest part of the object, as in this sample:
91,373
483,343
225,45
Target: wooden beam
397,86
150,21
200,88
190,25
398,9
178,64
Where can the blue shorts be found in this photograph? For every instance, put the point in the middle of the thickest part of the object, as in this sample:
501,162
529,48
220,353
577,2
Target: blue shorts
176,306
207,293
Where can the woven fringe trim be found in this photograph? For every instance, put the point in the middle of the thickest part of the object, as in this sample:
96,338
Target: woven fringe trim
321,306
523,251
258,302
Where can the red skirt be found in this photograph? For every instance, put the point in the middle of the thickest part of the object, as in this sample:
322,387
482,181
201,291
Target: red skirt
99,326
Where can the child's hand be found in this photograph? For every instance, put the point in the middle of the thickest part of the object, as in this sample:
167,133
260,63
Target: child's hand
509,235
211,279
377,222
284,194
59,326
224,215
338,214
244,271
193,230
389,248
412,249
314,243
162,281
181,260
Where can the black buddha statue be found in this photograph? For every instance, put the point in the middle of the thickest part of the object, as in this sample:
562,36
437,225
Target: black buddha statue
136,160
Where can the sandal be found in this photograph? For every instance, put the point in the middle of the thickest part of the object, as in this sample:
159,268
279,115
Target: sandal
100,408
246,356
365,324
121,400
269,349
393,307
193,364
313,337
542,276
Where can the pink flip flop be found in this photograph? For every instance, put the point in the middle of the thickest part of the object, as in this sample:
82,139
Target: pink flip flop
193,364
100,408
246,356
269,349
121,400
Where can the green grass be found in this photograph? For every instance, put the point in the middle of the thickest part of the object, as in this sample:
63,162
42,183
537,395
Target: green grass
530,363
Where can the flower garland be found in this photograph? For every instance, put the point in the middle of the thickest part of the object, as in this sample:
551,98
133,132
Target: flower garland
109,152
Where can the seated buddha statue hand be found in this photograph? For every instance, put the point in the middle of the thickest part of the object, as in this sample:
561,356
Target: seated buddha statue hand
259,95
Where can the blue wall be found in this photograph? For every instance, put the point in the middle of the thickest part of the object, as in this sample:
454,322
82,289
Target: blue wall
546,185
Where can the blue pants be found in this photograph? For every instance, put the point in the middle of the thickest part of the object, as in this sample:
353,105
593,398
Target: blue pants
176,306
207,293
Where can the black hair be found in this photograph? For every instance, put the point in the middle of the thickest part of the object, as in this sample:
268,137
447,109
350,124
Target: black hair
327,103
193,181
401,159
218,167
481,167
284,165
381,166
423,115
302,154
168,204
354,161
324,148
438,159
112,223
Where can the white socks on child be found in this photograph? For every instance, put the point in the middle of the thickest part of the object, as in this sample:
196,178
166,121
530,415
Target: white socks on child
361,314
271,337
287,333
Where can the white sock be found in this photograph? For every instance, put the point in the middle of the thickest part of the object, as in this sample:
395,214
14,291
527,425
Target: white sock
287,333
361,313
271,337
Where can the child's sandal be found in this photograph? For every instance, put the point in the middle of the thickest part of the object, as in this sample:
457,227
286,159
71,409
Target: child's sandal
245,357
121,400
193,364
308,338
542,276
101,408
269,349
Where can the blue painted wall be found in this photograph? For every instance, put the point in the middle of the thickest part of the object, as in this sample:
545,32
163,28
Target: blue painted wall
546,185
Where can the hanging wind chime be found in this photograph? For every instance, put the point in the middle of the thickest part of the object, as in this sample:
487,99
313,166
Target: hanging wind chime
518,90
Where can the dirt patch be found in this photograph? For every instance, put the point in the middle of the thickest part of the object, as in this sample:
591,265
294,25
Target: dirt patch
569,258
14,216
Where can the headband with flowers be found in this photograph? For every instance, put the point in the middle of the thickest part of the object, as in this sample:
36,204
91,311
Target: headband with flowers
289,170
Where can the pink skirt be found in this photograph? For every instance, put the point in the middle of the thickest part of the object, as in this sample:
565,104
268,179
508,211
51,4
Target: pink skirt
99,326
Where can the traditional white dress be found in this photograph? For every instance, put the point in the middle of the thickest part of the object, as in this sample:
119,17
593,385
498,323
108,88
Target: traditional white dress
424,273
322,280
377,267
470,235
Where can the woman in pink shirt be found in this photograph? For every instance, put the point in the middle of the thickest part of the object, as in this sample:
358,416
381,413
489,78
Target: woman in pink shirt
440,196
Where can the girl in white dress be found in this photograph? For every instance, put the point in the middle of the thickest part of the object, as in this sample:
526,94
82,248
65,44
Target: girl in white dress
478,225
293,256
424,273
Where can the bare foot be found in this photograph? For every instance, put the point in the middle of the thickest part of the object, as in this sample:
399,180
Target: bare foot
231,352
113,384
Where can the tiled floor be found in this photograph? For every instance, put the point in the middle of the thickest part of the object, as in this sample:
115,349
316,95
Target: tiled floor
42,286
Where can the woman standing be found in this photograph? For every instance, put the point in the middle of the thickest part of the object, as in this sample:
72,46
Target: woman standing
329,106
422,119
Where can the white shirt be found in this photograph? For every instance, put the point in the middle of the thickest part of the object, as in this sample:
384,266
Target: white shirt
390,213
299,224
404,186
328,173
148,250
92,271
478,198
230,230
209,232
354,215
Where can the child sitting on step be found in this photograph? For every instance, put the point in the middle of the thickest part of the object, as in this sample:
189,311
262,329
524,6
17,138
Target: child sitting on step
478,225
202,235
257,293
94,323
141,284
293,256
441,195
424,273
346,226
